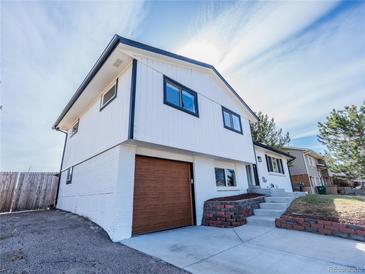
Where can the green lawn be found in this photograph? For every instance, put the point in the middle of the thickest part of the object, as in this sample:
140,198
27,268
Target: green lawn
345,209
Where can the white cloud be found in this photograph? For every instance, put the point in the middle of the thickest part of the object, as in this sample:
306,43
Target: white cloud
47,50
284,62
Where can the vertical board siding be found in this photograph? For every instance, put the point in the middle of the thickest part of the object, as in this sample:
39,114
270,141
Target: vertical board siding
107,127
27,190
158,123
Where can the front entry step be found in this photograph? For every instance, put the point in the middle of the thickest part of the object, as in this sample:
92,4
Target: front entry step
276,199
261,220
273,207
268,212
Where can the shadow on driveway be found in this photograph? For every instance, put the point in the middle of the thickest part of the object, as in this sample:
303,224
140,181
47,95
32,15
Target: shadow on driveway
61,242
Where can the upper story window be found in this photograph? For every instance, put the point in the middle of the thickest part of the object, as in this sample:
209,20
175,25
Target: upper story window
69,175
225,177
231,120
274,164
108,96
75,128
311,161
180,97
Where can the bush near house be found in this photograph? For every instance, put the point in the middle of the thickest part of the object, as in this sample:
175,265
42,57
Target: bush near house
342,216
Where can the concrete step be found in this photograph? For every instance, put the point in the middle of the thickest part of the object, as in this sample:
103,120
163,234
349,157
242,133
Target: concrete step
268,212
279,199
267,205
288,194
260,220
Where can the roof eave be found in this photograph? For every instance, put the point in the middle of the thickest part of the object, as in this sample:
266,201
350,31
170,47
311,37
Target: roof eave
117,39
99,63
274,150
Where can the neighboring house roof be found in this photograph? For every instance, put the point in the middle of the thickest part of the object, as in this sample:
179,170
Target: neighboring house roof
305,150
121,40
274,150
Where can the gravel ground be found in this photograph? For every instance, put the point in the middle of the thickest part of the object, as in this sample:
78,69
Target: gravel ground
61,242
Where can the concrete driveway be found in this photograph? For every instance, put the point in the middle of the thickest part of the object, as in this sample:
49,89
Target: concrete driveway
252,249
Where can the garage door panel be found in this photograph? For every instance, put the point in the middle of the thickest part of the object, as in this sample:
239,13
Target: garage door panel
162,195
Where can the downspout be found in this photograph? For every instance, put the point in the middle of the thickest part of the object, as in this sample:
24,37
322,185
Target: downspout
287,164
306,168
59,174
254,152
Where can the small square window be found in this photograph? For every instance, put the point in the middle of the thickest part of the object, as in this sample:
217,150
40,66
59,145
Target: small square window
227,119
69,175
225,177
108,96
231,120
220,177
188,101
180,97
274,165
75,128
231,177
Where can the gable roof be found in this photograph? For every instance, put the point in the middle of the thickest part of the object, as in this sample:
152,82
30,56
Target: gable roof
117,39
306,150
274,150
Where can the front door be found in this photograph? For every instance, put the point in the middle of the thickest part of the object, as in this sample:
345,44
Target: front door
256,175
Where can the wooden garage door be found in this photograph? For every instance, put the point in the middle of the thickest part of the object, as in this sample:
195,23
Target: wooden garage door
162,195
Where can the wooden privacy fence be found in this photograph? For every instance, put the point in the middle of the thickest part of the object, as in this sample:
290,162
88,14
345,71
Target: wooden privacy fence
27,190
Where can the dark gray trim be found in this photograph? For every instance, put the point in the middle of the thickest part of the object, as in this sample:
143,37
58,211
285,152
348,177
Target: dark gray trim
112,99
109,49
181,87
69,170
274,150
232,113
59,174
132,100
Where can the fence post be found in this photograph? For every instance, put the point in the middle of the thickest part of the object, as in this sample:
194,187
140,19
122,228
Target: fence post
15,192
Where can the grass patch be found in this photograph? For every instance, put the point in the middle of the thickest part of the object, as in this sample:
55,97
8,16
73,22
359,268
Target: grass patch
341,208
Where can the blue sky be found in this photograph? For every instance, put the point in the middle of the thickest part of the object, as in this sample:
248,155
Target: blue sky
295,61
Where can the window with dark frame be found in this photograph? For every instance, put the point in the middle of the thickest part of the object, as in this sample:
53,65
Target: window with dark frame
231,120
274,164
75,128
69,175
225,177
180,97
108,96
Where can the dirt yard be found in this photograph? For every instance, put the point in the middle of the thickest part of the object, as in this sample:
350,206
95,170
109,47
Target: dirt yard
60,242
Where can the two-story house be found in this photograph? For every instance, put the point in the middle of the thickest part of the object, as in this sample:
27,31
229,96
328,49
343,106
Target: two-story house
150,136
308,169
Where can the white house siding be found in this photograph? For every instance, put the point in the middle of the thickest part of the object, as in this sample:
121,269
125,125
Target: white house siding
102,187
91,193
161,124
278,180
100,130
204,175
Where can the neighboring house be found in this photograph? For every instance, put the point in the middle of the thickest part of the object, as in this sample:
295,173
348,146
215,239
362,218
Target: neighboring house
150,136
272,168
308,169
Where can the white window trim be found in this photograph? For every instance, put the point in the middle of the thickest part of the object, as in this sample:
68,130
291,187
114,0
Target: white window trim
277,174
226,188
274,172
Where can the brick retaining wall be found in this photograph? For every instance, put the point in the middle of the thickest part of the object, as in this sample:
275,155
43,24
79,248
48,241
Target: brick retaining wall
324,227
229,213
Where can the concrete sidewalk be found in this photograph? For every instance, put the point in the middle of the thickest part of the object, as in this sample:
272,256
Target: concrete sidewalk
252,249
